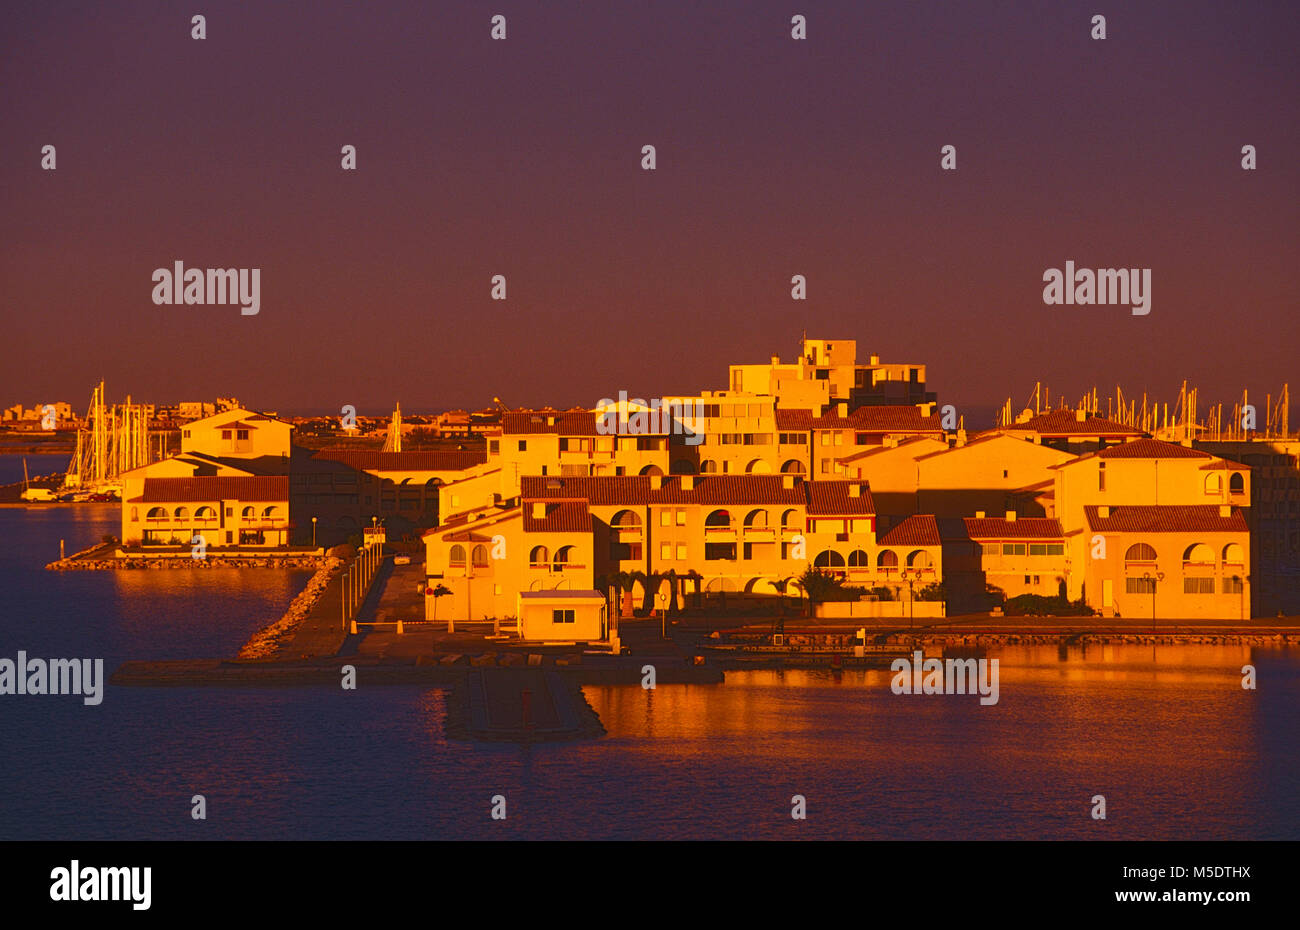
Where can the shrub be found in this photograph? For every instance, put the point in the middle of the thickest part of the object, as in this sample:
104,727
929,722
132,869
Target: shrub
932,592
1036,605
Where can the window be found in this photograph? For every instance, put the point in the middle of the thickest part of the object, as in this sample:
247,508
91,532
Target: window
241,434
480,556
720,552
186,434
456,556
681,516
1140,585
859,559
523,445
230,511
1013,548
539,557
1140,552
562,616
225,434
1027,579
1038,549
1101,476
665,517
1233,585
1198,585
1236,484
1056,548
1213,484
992,549
681,552
666,551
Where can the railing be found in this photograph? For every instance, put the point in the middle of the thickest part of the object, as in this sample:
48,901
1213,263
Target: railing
357,580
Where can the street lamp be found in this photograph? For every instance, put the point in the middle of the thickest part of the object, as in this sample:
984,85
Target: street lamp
907,575
313,532
1159,577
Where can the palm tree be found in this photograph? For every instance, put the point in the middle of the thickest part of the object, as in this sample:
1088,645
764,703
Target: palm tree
672,591
439,591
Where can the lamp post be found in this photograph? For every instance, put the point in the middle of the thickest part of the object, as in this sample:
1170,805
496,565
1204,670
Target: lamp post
313,532
1159,577
663,615
907,575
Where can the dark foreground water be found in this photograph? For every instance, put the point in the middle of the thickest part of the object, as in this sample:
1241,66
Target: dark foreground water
1178,748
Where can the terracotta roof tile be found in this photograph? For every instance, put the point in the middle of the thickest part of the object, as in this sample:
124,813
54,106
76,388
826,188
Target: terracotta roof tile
562,517
917,530
1166,518
1151,449
214,488
1065,422
404,461
834,498
636,489
1019,528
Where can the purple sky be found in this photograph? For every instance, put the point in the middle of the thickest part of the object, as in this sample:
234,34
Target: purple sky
775,157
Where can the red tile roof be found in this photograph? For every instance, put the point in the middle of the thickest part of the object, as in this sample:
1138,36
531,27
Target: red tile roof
895,418
1019,528
1167,518
404,461
562,517
832,498
214,488
1151,449
1065,422
917,530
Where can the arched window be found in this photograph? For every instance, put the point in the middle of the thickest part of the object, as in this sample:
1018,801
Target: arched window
793,467
887,560
859,559
456,556
790,519
719,518
757,467
270,512
708,467
479,556
205,513
156,513
563,556
1198,554
919,559
1233,555
682,467
756,519
1140,552
539,557
652,470
829,558
247,513
1213,483
626,519
1237,484
182,513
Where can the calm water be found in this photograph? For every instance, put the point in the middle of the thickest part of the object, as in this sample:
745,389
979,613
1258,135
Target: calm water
1178,748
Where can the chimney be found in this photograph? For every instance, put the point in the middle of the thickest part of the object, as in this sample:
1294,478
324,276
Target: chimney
1011,516
539,510
979,515
855,490
787,482
842,409
776,360
688,482
1103,511
656,482
875,360
1080,415
1225,510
